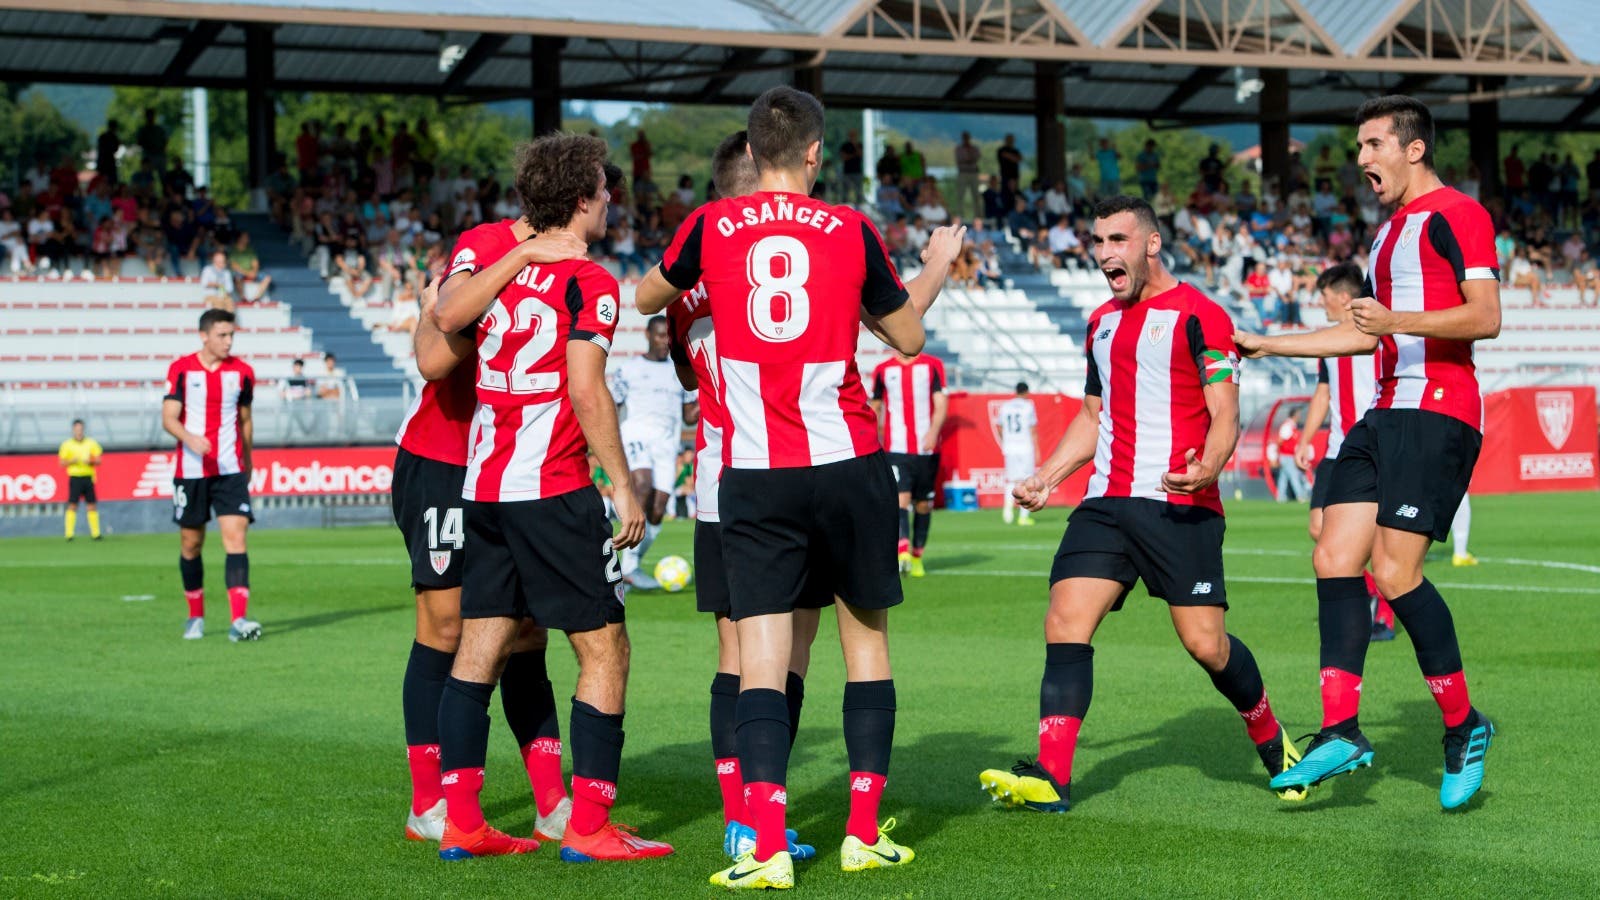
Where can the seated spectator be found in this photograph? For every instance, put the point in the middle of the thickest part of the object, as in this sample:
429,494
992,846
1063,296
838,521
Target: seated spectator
351,265
652,240
888,199
329,385
917,235
1282,282
403,312
106,262
246,266
43,241
393,261
13,246
1055,200
150,244
930,204
897,238
1064,246
1258,287
994,206
217,284
1586,278
182,238
988,272
1524,274
625,249
964,270
329,243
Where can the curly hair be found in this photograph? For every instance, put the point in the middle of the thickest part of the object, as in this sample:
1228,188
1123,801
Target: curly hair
554,173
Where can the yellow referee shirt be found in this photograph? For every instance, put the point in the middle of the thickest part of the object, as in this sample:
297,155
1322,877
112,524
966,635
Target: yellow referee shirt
76,455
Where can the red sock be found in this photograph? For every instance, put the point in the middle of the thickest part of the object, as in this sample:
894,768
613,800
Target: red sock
905,545
1372,585
866,790
238,602
591,804
197,603
1260,723
917,552
425,788
767,805
461,788
1450,692
1058,740
542,758
1341,696
731,782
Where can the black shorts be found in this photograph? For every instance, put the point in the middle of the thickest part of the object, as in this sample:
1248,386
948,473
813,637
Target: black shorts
1414,463
196,500
80,487
426,498
1321,477
711,576
915,473
779,525
548,560
1176,550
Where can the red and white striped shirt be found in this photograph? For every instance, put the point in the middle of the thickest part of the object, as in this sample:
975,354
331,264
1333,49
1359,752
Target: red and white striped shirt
211,401
695,343
440,419
1149,363
525,442
906,391
1352,381
1419,259
787,278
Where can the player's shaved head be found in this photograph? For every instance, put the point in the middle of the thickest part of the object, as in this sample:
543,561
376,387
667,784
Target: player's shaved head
554,174
656,322
1141,209
783,125
1345,278
1022,388
733,172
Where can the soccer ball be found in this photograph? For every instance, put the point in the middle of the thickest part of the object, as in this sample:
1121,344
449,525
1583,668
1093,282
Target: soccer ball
674,573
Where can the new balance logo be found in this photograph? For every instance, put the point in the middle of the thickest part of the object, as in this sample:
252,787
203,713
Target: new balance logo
1104,333
1201,588
780,797
452,778
727,768
1407,512
862,784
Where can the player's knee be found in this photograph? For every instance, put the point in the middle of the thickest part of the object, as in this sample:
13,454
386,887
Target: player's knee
530,637
1395,577
924,507
1208,649
1334,562
440,632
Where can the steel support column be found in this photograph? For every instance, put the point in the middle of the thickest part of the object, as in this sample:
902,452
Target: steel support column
1273,110
1483,136
546,60
1050,134
261,115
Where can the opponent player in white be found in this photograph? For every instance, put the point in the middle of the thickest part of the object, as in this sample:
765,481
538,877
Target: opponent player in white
1017,431
657,409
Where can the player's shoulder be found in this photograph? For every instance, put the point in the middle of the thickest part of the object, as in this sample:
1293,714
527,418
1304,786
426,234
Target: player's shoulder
185,363
1105,309
239,365
484,236
1459,210
1194,301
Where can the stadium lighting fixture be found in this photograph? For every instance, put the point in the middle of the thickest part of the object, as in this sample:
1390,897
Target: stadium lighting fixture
449,55
1245,88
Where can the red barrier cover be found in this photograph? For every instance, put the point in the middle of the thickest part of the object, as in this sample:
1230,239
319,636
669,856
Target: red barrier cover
970,446
1538,439
146,476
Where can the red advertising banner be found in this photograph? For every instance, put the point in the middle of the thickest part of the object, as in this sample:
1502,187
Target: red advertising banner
1538,439
970,447
147,476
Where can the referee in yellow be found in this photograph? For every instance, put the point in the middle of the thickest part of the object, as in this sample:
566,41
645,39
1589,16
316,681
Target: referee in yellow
79,456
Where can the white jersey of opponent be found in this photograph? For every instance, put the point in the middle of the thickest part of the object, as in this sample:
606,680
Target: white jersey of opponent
654,398
1016,420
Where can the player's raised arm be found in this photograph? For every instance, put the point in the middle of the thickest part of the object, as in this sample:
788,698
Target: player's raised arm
886,302
943,246
1343,339
466,293
1477,318
437,352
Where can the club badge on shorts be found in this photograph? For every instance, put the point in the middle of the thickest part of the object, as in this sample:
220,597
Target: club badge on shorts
440,560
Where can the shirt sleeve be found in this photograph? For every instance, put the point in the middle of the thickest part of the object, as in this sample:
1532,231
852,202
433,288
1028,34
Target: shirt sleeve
1463,235
95,449
881,292
678,347
877,382
247,387
175,383
680,265
64,453
1091,379
1210,333
1322,371
471,253
936,376
592,300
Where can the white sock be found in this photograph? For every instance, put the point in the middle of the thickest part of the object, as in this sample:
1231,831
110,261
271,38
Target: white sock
1461,526
630,561
650,532
1010,502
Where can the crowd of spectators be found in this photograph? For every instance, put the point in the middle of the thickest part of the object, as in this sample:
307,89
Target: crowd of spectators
62,220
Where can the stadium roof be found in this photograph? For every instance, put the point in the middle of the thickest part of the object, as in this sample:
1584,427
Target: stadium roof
1163,60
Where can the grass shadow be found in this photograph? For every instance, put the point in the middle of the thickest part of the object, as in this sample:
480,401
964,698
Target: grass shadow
274,628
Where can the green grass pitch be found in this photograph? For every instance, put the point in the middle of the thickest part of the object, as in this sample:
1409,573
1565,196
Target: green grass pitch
140,765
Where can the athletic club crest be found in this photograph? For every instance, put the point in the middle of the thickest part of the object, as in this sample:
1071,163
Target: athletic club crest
440,560
1555,415
1156,332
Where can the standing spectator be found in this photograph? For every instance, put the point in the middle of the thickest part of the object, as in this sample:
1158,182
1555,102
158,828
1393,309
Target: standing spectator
912,166
1148,164
1281,281
1567,192
640,151
1540,175
307,150
329,385
177,179
216,283
968,201
1258,287
402,150
296,387
1516,173
888,165
1324,168
105,157
1211,169
994,204
13,247
152,140
851,161
1592,171
1110,162
1009,159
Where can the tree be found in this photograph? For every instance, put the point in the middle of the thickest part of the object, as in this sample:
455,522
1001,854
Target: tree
32,128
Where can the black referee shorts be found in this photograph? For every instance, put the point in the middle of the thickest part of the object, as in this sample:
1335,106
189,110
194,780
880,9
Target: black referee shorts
80,487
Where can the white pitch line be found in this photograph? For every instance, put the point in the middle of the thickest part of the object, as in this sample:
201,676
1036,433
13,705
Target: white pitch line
1306,554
